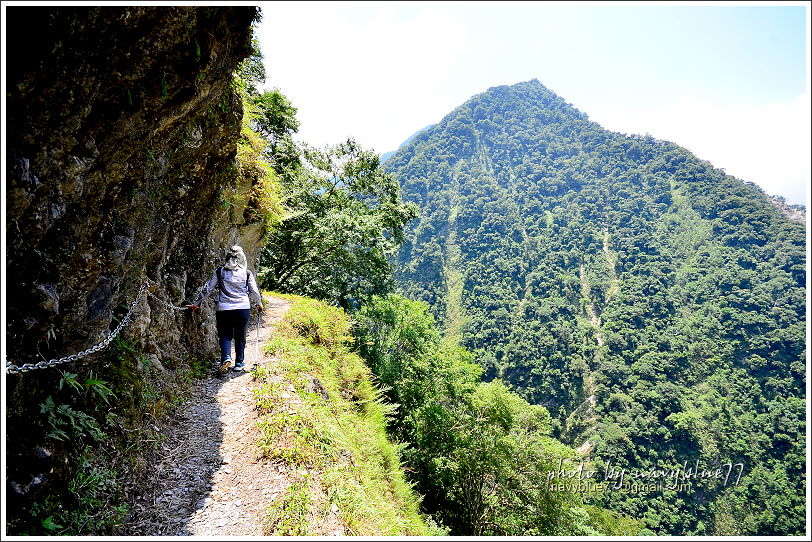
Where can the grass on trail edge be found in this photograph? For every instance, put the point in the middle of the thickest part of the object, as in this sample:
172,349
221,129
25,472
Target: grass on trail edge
321,415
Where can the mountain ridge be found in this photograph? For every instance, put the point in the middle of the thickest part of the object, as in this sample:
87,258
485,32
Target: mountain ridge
605,277
385,156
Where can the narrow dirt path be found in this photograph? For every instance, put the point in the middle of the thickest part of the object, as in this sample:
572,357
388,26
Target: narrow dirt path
207,477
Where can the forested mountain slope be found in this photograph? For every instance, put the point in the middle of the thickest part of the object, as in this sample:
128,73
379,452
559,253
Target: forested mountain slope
654,304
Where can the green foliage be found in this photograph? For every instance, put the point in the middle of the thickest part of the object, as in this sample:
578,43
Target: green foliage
199,367
653,304
67,423
320,413
99,387
93,504
613,524
345,218
277,118
94,486
480,454
263,200
333,215
288,515
251,70
103,426
65,420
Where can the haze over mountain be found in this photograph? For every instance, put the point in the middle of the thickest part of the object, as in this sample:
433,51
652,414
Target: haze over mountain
654,304
385,156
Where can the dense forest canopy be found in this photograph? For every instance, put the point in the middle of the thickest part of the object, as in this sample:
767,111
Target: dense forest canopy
652,303
571,300
481,457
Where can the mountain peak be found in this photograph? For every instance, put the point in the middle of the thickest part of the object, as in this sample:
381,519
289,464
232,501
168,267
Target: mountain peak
500,109
604,277
532,92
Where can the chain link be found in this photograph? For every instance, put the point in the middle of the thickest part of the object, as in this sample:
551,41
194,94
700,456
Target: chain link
170,305
25,367
164,303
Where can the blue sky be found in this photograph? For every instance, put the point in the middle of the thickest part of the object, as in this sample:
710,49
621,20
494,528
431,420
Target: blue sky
729,82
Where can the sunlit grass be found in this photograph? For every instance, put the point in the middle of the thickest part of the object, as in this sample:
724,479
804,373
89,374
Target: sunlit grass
320,412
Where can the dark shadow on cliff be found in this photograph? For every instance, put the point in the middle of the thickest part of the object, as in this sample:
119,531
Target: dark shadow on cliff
122,129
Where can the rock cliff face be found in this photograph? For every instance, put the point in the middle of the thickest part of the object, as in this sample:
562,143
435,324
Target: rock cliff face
122,130
122,134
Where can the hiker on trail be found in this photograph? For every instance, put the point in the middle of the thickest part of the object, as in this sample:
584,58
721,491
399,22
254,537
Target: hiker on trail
237,289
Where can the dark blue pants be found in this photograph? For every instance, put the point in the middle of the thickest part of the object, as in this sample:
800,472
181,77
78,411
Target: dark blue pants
231,325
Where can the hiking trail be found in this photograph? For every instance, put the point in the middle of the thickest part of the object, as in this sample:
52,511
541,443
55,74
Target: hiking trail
207,477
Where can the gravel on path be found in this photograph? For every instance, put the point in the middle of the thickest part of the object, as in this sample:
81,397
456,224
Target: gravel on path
208,477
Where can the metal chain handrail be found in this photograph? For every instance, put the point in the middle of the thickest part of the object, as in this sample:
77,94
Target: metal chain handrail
25,367
164,303
170,305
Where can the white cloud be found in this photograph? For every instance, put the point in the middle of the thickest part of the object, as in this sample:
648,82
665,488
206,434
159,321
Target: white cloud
377,80
767,145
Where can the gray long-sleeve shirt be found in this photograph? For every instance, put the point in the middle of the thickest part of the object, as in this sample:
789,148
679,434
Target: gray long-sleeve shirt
234,294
